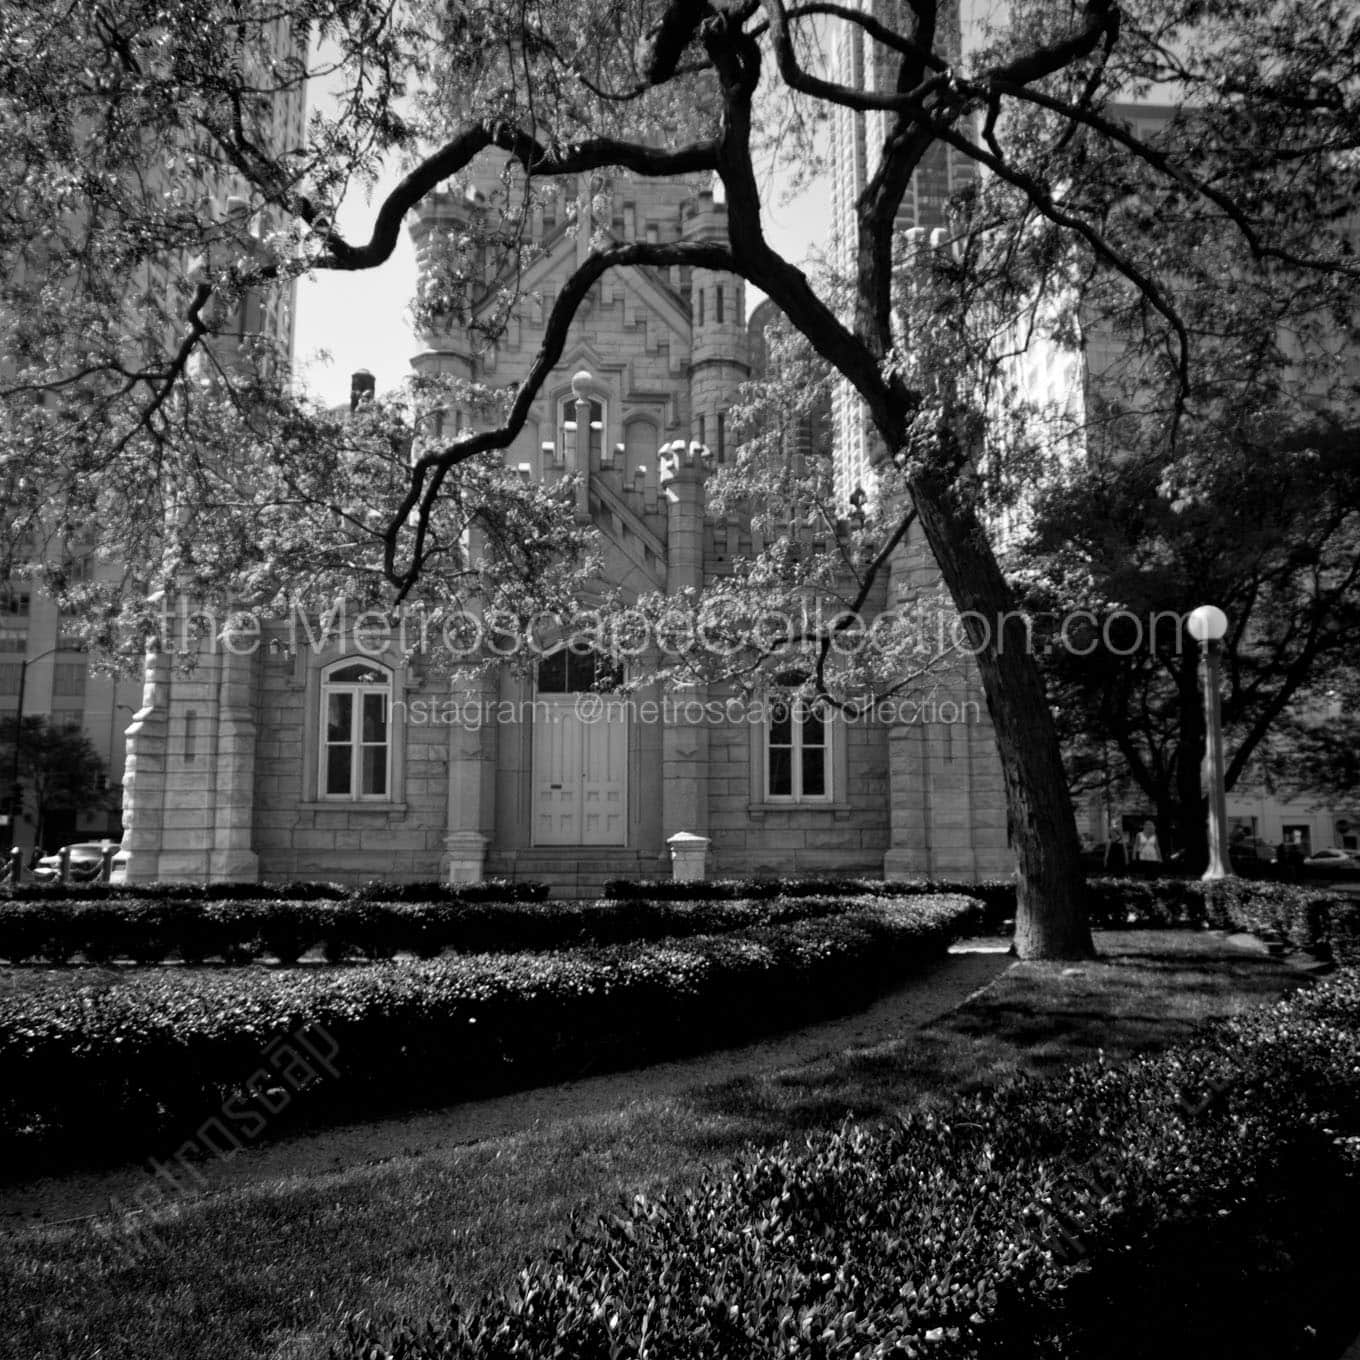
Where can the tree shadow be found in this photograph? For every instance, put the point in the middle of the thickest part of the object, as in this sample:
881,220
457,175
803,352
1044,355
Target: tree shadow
1031,1021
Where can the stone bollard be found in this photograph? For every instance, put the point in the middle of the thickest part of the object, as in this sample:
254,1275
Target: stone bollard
689,857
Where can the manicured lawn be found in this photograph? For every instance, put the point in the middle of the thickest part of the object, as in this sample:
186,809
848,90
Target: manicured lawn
265,1271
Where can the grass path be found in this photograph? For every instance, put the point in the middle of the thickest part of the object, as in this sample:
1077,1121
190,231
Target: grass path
382,1215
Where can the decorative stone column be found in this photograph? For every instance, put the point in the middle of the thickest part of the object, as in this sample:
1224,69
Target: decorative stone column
578,449
144,773
472,775
682,469
233,858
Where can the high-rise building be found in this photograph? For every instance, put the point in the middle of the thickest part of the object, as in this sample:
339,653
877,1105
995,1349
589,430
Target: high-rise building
856,152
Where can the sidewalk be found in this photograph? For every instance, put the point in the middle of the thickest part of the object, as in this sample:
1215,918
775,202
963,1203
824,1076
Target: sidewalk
970,966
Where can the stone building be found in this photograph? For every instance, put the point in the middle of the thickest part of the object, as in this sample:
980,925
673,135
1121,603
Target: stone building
325,760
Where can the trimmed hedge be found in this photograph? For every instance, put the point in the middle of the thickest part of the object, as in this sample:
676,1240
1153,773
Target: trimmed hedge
240,932
160,1050
996,895
1308,917
1064,1217
376,890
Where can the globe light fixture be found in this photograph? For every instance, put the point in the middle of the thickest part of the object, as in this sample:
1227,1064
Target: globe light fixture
1208,624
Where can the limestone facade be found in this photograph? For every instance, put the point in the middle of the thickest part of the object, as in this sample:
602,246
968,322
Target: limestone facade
308,757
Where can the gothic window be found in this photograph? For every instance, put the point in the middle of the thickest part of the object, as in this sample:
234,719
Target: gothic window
356,745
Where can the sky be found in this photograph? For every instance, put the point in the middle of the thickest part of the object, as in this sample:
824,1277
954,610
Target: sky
363,320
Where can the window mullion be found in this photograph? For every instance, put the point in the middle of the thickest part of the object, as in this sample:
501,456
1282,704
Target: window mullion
356,745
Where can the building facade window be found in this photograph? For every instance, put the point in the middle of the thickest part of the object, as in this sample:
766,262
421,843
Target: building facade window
356,744
797,753
68,679
15,602
699,294
10,673
722,435
718,309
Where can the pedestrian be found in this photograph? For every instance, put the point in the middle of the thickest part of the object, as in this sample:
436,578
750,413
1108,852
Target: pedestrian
1147,852
1116,851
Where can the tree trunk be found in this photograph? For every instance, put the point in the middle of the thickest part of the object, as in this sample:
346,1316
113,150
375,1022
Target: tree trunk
1051,915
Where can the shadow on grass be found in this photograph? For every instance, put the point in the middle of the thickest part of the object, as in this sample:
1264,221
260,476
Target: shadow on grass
1136,998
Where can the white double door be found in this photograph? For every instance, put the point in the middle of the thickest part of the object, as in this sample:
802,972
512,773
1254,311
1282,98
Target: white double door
579,775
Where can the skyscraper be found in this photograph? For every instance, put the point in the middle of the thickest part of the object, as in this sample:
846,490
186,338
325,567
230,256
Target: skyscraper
857,148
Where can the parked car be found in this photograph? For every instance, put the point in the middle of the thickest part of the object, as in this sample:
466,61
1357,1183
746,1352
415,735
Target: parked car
1333,862
1334,856
87,859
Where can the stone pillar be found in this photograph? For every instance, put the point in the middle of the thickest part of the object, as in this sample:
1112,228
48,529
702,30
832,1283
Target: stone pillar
946,798
144,773
464,857
578,450
233,858
689,857
684,735
912,577
470,827
908,853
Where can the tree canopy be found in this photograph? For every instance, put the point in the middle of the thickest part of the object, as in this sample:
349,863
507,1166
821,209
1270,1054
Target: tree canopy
56,765
125,413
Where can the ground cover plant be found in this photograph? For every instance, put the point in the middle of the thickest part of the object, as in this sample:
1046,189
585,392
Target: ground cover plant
148,1058
263,1270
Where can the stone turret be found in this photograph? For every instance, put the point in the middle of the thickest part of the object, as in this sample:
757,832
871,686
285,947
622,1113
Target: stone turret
682,468
447,349
719,362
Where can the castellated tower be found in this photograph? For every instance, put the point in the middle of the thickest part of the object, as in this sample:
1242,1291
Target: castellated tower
719,362
447,352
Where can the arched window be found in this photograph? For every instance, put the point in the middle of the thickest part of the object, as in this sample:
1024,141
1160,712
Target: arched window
356,742
589,441
575,670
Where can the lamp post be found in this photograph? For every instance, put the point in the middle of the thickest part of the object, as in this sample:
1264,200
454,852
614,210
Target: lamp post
1207,626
